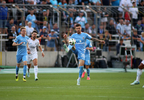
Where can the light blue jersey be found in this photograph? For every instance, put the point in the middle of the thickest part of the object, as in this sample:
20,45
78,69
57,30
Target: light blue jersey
87,53
31,18
80,43
22,49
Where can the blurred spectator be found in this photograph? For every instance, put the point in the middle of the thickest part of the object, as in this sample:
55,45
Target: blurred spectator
139,27
54,2
81,20
115,2
106,2
127,28
43,36
101,30
29,29
43,18
71,20
31,18
96,2
44,7
134,11
64,39
135,38
93,29
3,17
142,24
51,43
56,29
45,23
111,28
118,46
104,16
9,25
141,9
106,38
87,29
11,36
100,44
141,44
120,27
70,32
1,1
120,16
125,37
126,4
20,25
34,1
71,8
48,2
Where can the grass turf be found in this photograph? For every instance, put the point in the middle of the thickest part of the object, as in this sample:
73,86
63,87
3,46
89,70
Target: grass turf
102,86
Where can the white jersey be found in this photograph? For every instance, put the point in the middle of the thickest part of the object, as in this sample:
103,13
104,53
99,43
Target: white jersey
32,44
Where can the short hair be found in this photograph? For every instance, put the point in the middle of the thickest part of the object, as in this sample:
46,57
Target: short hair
142,33
86,23
22,28
121,39
77,25
34,32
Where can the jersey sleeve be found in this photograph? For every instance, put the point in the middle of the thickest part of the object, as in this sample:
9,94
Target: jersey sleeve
88,36
89,44
16,39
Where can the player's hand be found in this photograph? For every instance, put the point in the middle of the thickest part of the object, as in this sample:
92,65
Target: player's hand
42,54
87,48
102,41
28,48
28,52
139,39
21,43
65,36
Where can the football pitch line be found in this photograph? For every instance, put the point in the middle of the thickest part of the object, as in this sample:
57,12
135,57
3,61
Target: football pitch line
67,70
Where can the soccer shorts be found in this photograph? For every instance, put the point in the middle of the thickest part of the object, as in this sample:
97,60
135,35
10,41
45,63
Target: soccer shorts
87,60
80,54
21,58
31,57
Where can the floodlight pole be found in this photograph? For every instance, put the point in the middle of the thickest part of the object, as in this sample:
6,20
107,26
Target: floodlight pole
95,19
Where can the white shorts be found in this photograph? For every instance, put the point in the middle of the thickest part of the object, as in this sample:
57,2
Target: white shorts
142,62
104,19
31,57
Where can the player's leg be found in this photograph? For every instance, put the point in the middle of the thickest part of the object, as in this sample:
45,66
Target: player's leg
67,48
19,59
88,72
139,72
81,65
24,58
35,68
29,65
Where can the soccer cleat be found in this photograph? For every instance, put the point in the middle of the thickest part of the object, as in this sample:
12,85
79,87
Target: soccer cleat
24,79
78,81
28,75
135,83
36,79
66,48
17,78
88,78
83,74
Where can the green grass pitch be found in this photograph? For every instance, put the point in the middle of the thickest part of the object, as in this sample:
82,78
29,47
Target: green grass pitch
55,86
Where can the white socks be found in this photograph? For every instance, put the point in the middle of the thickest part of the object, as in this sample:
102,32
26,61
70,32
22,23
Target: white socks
139,72
36,71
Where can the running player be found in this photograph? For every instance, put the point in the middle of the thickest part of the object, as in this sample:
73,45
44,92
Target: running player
80,38
32,53
139,71
87,59
21,42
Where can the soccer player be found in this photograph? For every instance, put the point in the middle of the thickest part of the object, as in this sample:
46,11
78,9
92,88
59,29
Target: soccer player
21,42
139,71
87,59
80,38
32,53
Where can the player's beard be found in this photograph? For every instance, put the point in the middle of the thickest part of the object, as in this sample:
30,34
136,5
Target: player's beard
34,37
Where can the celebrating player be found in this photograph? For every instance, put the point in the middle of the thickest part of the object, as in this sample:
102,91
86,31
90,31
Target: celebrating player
32,53
139,71
21,42
80,38
87,59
